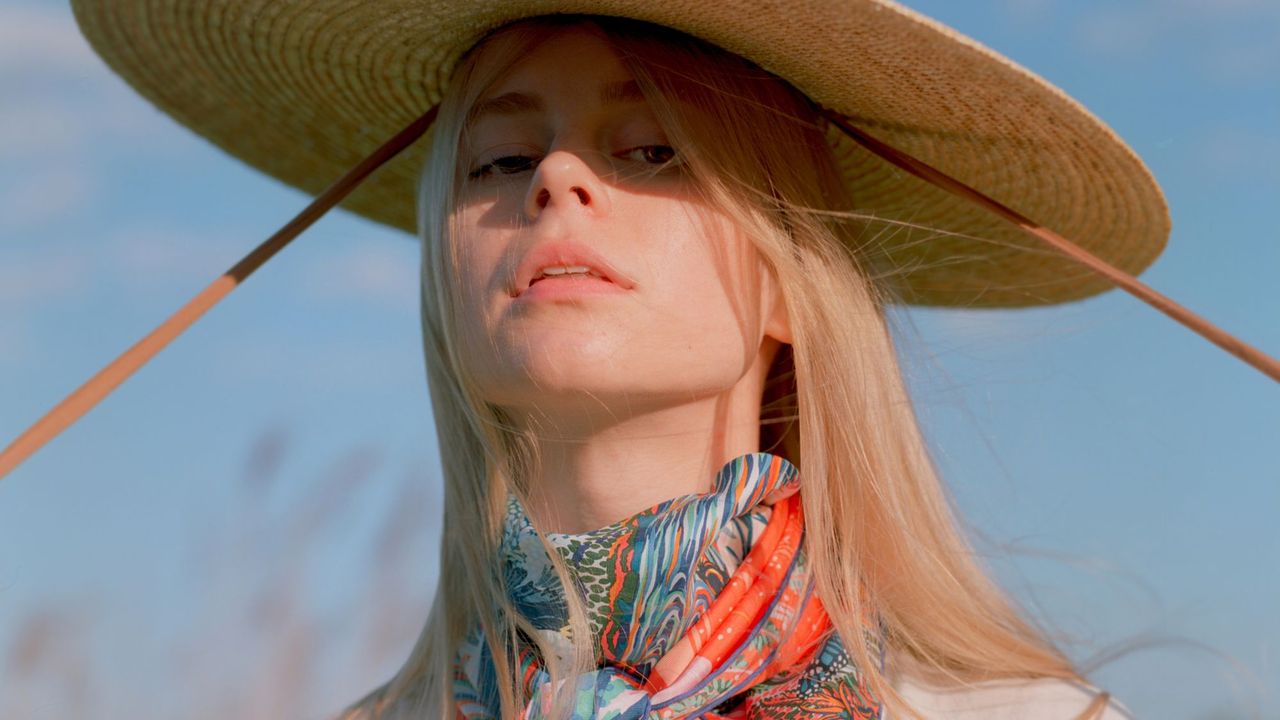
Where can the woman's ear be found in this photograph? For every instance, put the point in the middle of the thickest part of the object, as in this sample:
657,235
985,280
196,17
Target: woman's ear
777,323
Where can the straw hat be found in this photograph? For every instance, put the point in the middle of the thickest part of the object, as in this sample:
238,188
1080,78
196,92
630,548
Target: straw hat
303,89
1021,196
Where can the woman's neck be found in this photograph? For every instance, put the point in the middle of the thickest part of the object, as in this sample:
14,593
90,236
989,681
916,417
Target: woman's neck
589,479
589,483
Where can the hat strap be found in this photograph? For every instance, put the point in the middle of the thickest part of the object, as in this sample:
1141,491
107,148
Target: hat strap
75,405
84,398
1248,353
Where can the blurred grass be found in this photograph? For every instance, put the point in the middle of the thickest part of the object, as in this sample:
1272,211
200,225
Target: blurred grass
258,640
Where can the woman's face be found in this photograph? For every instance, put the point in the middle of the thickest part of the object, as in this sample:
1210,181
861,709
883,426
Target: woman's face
567,169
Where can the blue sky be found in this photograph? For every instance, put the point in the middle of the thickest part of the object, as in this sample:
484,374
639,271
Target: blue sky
1121,474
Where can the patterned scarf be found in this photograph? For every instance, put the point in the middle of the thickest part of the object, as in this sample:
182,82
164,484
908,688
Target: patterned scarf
689,604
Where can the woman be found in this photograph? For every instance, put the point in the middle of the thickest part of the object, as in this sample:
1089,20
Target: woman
683,475
636,281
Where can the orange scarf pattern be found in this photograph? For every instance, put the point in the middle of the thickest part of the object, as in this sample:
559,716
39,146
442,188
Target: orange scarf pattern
701,606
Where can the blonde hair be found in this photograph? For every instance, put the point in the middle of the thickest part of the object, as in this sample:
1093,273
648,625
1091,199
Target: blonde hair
835,403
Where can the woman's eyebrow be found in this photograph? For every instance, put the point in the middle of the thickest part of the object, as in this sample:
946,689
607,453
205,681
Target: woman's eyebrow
515,102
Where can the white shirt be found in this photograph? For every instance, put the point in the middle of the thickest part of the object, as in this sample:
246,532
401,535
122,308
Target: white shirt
1039,699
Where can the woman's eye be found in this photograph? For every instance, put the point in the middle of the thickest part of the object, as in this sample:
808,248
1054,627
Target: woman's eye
658,155
652,154
504,165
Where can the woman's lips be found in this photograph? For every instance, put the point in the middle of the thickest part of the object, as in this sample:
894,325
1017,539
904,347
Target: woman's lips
568,287
565,254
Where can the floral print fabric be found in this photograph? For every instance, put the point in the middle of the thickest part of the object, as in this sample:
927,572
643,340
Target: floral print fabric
701,606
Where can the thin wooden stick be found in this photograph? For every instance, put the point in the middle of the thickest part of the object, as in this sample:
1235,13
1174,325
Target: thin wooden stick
1248,353
75,405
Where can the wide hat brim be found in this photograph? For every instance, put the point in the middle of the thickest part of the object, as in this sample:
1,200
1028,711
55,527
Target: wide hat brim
305,89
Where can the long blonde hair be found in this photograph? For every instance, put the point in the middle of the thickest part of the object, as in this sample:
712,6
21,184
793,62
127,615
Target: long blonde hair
835,403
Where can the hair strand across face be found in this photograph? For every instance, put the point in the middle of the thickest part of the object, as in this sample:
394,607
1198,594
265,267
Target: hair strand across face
881,532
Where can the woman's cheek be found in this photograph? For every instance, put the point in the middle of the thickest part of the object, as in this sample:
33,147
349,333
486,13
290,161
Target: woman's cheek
475,275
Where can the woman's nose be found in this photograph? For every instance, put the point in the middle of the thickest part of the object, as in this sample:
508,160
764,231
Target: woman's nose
564,180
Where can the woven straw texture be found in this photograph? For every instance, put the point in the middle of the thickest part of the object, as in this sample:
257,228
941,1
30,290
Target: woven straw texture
304,89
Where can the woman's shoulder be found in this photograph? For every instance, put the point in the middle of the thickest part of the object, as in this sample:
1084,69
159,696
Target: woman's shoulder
1020,699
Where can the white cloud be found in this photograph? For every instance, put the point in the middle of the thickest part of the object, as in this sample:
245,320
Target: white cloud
43,193
1249,9
141,258
41,39
377,273
309,365
43,276
32,127
950,330
62,111
15,338
1229,152
958,329
156,256
1029,12
1120,31
1244,64
1235,41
